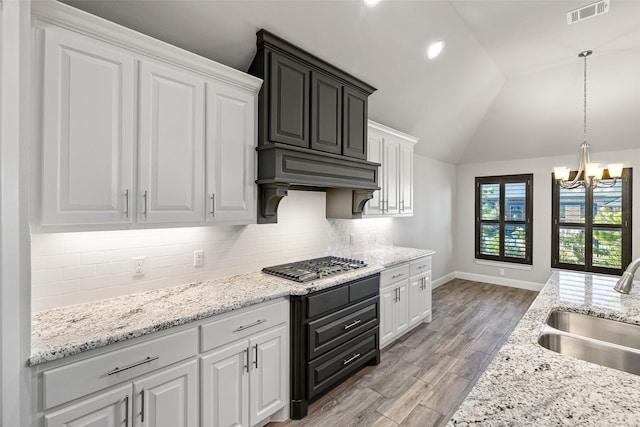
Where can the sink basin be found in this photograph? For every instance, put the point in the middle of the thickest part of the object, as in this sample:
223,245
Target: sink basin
611,331
593,339
616,357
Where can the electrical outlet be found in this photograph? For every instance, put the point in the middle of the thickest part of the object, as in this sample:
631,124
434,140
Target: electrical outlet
138,266
198,258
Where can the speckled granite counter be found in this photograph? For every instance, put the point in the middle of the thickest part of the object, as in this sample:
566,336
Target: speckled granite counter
66,331
527,384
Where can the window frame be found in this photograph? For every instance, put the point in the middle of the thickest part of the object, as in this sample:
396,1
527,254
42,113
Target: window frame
528,219
625,226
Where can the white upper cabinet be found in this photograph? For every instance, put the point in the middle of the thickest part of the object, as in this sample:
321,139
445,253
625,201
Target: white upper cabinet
230,166
171,157
406,179
394,151
134,132
87,131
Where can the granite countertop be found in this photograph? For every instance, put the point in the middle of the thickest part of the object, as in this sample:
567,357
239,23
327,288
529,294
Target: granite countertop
527,384
66,331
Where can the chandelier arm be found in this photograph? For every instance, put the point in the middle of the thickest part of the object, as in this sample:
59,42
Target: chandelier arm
600,184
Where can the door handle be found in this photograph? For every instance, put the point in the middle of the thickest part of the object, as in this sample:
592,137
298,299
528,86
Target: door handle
246,364
255,361
145,196
126,203
142,406
213,205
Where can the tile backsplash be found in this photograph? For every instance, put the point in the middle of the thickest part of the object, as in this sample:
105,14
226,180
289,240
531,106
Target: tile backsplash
73,268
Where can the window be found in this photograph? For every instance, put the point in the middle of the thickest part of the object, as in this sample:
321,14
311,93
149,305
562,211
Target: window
504,212
591,228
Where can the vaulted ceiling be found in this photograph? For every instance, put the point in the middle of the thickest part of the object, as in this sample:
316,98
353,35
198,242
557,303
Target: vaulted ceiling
507,86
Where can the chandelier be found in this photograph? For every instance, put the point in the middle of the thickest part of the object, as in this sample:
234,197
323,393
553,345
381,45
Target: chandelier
589,174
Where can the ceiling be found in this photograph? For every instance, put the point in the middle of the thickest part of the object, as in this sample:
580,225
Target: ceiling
507,86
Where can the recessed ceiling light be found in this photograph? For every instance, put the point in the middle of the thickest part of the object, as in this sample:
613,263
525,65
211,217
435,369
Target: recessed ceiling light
371,3
435,49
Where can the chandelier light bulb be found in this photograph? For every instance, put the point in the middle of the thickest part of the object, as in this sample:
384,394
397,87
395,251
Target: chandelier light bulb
561,173
615,170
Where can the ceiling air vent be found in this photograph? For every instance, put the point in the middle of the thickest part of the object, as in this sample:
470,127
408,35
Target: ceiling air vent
587,12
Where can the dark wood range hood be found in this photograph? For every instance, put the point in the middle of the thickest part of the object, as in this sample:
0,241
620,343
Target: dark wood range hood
312,130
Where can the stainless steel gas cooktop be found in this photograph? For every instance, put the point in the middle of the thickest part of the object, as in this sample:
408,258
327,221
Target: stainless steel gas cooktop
312,269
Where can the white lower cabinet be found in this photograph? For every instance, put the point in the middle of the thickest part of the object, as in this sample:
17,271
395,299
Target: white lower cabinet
168,398
405,298
109,409
394,303
245,382
229,370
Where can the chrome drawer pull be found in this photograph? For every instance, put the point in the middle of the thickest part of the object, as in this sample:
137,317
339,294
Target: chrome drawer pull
133,365
351,359
352,324
397,275
246,364
422,266
256,323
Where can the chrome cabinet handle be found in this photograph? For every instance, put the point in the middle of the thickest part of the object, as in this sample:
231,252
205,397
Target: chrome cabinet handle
397,275
246,364
352,324
351,359
142,406
401,205
251,325
126,410
126,203
213,205
399,294
255,362
117,370
422,266
144,195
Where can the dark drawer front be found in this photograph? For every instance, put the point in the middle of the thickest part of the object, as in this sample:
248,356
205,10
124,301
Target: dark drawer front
364,288
331,368
329,332
325,301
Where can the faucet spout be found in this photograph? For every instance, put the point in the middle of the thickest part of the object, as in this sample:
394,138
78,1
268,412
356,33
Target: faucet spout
625,282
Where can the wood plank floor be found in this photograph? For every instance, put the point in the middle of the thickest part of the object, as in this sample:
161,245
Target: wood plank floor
424,376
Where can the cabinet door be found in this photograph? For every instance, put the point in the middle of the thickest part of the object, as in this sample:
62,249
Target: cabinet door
426,298
269,373
289,102
168,398
88,133
171,155
375,154
231,189
402,308
388,298
225,386
109,409
406,179
416,295
354,123
326,113
391,164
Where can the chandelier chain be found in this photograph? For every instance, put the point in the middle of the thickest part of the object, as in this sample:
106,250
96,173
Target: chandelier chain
585,98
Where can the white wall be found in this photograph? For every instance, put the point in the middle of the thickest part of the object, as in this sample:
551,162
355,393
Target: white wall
541,169
432,225
72,268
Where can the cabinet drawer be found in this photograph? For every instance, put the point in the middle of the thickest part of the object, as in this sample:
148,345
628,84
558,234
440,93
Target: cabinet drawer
419,266
394,274
325,301
364,288
330,331
81,378
242,324
332,367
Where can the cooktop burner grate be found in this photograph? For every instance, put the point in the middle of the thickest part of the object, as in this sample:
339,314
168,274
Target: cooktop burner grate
312,269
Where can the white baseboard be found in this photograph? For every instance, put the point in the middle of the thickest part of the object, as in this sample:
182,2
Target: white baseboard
442,280
502,281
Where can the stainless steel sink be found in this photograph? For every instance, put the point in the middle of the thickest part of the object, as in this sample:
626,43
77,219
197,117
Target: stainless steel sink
593,339
597,328
594,351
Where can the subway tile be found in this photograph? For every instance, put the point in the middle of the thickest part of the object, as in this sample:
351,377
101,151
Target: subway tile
78,272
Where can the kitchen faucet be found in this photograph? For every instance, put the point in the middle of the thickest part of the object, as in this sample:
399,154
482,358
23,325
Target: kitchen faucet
626,281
